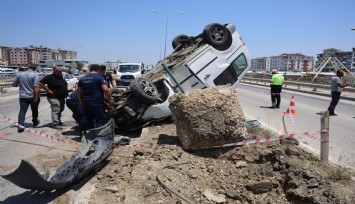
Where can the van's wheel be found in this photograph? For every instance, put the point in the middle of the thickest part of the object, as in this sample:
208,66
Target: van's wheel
180,39
218,36
145,91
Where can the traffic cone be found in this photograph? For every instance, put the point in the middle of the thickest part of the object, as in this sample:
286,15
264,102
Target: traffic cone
292,108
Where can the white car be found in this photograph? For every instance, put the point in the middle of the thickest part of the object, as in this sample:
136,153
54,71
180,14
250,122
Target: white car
70,79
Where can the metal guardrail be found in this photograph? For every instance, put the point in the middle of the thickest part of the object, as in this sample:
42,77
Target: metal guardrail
294,83
4,78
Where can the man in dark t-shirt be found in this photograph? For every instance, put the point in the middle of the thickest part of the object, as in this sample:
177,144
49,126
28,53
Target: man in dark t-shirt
91,91
108,77
57,91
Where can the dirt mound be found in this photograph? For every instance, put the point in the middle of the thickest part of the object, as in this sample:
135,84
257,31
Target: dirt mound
208,117
275,172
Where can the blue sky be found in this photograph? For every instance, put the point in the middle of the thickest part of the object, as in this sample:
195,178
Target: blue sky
129,31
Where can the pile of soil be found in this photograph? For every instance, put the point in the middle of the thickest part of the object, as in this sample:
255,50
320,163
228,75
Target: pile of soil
276,172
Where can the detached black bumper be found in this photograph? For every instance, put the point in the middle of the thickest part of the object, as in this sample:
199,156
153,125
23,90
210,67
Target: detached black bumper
89,156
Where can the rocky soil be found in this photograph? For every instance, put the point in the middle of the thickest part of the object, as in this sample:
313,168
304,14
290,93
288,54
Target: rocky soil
276,172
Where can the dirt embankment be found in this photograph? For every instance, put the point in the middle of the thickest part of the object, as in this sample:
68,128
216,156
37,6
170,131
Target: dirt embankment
278,172
275,172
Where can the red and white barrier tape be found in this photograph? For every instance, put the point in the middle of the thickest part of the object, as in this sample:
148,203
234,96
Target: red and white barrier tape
40,133
242,143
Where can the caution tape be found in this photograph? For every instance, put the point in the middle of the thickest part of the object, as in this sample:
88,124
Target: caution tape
40,133
151,145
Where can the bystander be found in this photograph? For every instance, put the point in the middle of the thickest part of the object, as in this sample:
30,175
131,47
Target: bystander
29,95
91,91
57,91
336,88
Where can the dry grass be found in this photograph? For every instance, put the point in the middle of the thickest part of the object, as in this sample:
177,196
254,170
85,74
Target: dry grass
327,171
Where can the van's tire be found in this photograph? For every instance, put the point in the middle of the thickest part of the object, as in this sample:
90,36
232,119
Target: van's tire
144,91
218,36
179,39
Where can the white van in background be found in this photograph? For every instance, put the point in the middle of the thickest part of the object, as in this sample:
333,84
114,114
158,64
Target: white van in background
128,71
6,71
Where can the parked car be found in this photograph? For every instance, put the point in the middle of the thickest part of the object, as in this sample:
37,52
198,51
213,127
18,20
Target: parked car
6,71
71,80
218,56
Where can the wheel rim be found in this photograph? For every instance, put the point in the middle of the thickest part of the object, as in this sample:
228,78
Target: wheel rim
148,88
217,34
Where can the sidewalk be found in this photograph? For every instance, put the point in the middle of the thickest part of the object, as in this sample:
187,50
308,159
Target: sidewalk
9,91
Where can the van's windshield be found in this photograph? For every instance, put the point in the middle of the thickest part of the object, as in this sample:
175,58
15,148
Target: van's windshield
233,71
128,68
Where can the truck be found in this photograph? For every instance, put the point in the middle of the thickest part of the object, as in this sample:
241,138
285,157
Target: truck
128,71
217,56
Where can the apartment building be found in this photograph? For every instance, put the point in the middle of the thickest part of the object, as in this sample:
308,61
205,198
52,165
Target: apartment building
261,64
345,57
284,62
4,59
33,55
17,56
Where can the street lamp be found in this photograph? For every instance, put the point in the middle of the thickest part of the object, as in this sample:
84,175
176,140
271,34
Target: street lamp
353,29
166,25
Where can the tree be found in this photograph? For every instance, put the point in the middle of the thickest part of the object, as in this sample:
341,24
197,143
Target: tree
79,65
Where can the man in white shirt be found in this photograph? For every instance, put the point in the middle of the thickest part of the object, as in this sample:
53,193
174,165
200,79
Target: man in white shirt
336,88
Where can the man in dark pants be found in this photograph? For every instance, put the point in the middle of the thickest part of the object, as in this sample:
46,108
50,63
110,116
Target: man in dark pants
74,105
29,95
336,88
57,91
108,77
91,90
277,81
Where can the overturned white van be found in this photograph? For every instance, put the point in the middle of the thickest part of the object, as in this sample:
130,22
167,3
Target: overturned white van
217,56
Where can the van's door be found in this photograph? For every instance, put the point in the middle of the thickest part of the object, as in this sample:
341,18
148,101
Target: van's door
206,65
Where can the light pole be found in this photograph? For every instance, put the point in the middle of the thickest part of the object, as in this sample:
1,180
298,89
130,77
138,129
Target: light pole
353,29
166,25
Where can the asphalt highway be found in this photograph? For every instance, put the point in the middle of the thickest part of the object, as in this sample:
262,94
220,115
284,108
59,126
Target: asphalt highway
256,99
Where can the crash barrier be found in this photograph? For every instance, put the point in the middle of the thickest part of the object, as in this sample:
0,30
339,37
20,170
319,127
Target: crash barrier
294,83
40,133
7,78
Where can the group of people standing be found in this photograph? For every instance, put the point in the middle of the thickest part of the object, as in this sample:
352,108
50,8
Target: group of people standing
87,103
336,85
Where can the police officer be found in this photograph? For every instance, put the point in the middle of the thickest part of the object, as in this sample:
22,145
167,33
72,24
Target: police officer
91,91
277,81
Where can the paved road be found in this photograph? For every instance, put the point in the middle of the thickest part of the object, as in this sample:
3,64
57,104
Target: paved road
41,150
308,107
